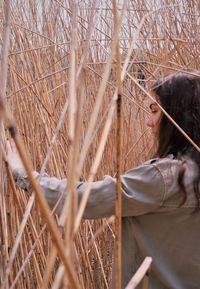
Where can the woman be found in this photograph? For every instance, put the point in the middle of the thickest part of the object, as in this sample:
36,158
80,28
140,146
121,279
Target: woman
160,198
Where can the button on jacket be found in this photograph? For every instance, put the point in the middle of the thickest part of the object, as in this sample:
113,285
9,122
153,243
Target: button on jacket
153,222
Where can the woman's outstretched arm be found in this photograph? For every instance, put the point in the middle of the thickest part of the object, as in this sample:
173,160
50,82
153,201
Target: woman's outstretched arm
143,189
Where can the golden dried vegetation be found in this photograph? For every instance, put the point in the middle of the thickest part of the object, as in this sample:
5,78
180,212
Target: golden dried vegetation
68,61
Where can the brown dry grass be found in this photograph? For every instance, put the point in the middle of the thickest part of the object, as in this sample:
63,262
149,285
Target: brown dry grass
44,60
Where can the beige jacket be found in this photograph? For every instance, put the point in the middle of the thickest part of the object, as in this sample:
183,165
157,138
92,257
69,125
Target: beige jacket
153,222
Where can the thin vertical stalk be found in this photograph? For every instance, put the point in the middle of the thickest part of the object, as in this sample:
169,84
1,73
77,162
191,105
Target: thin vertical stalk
46,212
137,277
3,82
42,202
72,198
5,48
118,200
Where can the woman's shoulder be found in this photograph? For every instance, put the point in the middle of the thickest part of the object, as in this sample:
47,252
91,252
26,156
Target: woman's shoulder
168,168
161,164
171,164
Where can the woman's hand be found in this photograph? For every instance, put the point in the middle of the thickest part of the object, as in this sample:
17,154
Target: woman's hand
13,157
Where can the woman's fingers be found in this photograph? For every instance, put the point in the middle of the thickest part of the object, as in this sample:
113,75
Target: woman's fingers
13,146
8,147
13,157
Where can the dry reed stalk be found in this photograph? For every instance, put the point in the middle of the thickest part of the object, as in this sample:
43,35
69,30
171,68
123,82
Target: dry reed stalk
28,212
88,39
47,264
72,197
87,264
63,215
136,103
140,274
98,102
3,82
5,49
51,263
19,147
95,164
12,129
118,201
102,143
94,168
12,286
37,48
26,215
99,231
55,136
18,239
44,207
99,258
73,136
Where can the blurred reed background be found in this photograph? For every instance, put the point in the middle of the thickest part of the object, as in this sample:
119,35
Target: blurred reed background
59,58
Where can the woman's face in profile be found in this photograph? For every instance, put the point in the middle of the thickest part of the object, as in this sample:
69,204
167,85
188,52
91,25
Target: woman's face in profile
154,117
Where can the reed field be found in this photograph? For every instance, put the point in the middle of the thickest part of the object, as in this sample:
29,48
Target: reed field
69,64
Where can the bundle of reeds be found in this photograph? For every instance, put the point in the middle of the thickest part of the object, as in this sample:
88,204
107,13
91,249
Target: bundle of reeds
68,65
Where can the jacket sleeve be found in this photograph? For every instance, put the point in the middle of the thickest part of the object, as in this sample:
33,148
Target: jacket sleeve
143,191
52,188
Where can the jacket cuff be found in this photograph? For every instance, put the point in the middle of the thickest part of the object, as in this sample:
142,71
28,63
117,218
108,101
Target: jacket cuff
21,179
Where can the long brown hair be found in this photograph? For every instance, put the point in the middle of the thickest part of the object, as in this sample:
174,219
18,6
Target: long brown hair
179,95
